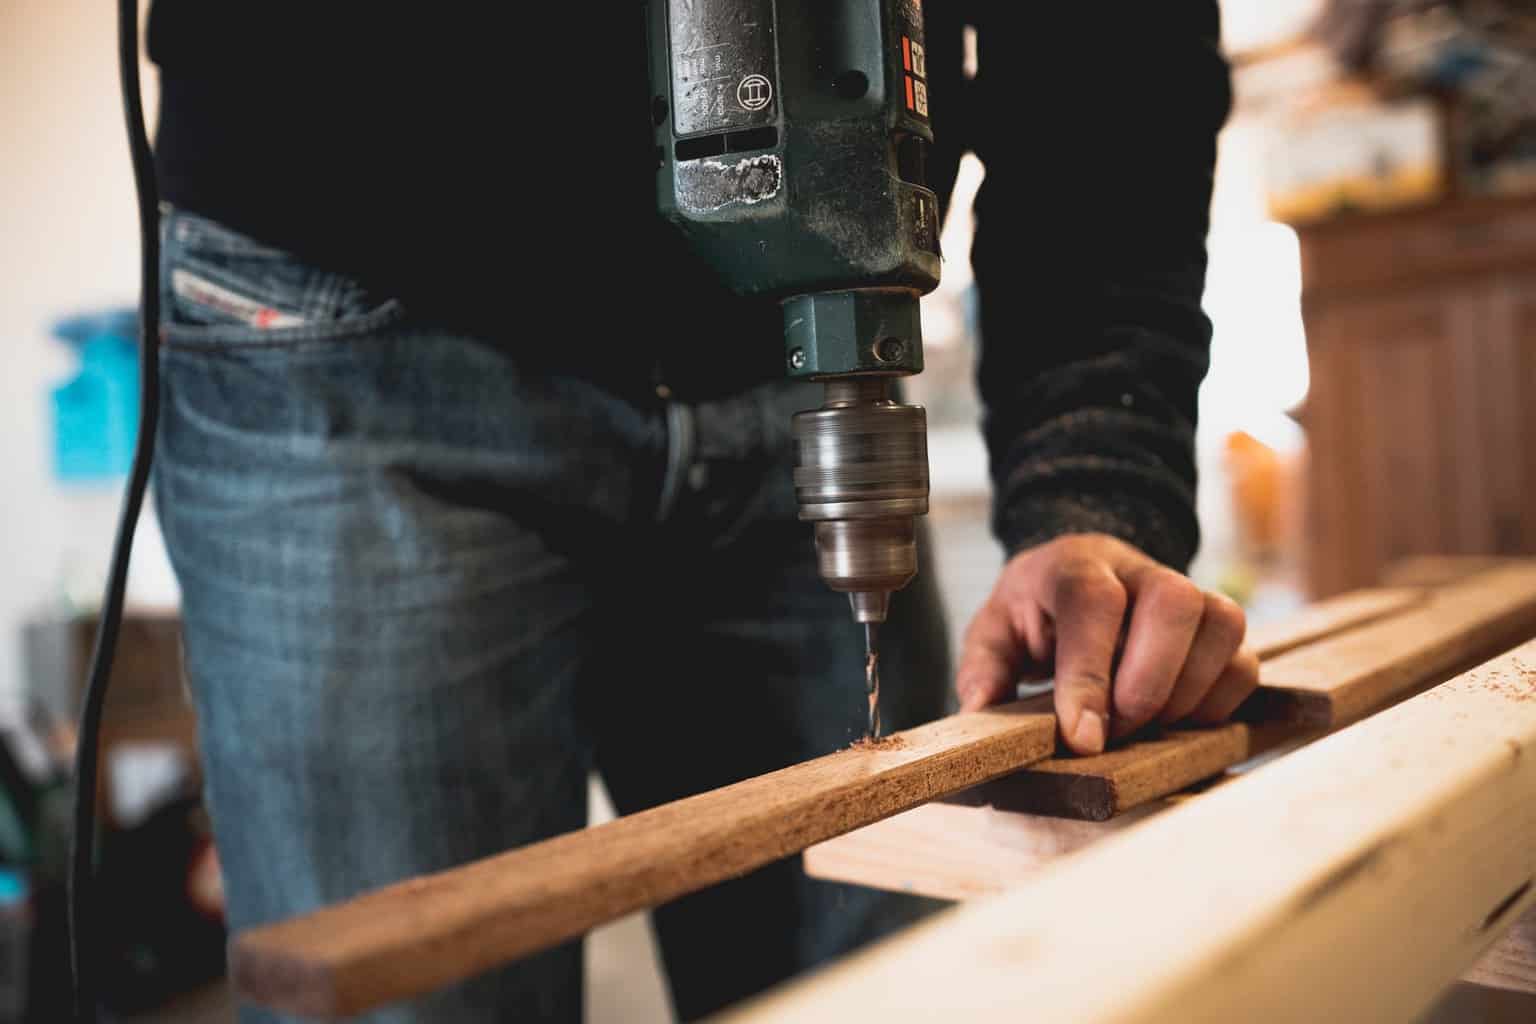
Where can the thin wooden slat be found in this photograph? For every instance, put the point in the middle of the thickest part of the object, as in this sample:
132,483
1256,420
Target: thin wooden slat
1307,690
1342,679
419,935
1352,880
1439,570
1109,784
1326,618
1098,788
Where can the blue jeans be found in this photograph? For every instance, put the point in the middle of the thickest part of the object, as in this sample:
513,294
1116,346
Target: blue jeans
428,587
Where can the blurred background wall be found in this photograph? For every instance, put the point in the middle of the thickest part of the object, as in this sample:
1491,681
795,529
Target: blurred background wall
68,243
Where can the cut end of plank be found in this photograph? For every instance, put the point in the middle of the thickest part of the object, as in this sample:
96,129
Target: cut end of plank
268,974
1296,708
1086,797
1098,788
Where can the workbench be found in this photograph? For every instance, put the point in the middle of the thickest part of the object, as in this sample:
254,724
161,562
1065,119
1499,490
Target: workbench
1363,836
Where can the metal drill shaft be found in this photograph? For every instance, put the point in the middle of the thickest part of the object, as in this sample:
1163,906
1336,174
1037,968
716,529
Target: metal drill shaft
872,678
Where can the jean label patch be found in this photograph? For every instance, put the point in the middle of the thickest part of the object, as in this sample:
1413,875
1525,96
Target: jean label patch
191,287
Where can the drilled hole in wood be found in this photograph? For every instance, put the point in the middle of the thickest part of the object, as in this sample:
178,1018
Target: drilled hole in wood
1505,905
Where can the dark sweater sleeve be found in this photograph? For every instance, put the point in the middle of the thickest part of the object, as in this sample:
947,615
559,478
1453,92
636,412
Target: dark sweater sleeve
1097,124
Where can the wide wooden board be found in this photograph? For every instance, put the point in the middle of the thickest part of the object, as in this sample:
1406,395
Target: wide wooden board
1296,892
956,852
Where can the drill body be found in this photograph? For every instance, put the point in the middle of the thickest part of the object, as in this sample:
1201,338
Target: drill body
791,144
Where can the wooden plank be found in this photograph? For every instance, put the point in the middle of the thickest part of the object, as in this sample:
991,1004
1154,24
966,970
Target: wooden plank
1289,894
1100,787
956,852
1511,963
1438,570
953,852
1329,617
1342,679
1305,691
420,935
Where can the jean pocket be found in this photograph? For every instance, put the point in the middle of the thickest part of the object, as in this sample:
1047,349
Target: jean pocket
222,288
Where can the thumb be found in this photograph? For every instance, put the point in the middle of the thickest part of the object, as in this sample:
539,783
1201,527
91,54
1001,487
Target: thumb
1082,703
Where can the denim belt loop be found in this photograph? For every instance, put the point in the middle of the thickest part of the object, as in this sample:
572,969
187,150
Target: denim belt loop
682,442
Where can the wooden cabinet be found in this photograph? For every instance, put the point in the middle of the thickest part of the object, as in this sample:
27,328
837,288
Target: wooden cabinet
1421,334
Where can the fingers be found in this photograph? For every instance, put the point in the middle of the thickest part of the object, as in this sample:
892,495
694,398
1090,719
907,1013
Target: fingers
1087,602
1065,603
989,658
1236,682
1221,633
1168,612
1010,630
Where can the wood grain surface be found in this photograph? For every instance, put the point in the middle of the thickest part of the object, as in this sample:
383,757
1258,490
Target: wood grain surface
1341,679
1511,963
1333,884
1329,617
957,852
1338,661
420,935
1109,784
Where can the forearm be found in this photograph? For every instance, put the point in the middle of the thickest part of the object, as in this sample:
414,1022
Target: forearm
1091,415
1098,132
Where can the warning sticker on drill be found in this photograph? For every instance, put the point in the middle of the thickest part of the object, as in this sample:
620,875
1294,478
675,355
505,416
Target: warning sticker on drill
914,59
723,69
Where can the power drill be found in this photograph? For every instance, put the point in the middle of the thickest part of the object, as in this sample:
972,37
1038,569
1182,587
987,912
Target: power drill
791,144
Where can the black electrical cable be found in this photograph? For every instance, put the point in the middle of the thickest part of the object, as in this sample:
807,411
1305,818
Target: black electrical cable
82,951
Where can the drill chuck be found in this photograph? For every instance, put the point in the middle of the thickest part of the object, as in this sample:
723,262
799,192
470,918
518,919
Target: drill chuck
862,478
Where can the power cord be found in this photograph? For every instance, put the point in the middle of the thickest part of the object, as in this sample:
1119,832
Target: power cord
82,951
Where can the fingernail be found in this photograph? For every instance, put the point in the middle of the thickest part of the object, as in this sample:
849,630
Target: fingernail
1089,735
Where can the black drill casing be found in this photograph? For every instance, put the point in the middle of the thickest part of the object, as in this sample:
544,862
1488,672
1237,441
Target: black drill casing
791,144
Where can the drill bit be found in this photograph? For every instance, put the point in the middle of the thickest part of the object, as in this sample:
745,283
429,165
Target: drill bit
872,679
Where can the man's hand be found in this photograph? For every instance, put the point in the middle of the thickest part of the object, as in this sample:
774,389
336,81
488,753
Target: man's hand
1061,608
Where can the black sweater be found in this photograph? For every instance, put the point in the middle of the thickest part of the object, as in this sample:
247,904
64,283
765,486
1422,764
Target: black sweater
490,165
